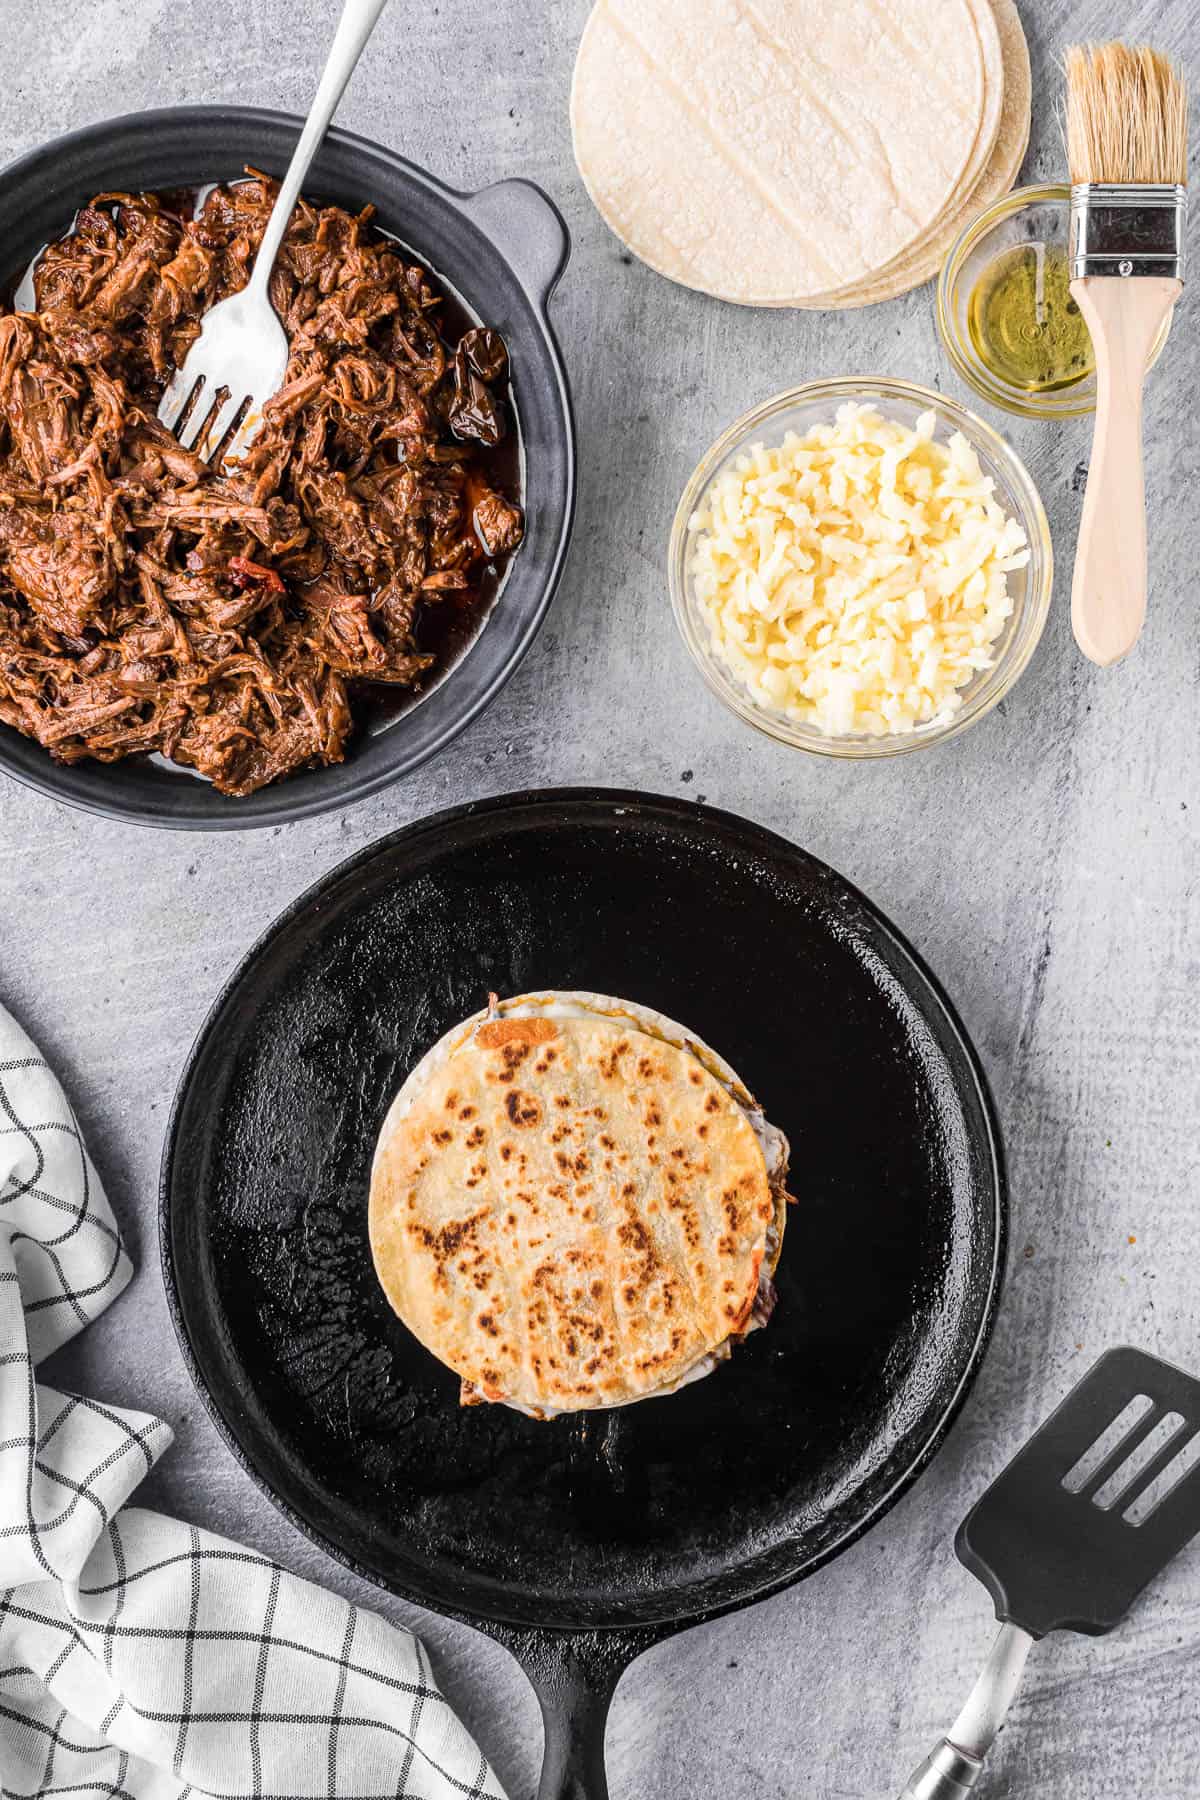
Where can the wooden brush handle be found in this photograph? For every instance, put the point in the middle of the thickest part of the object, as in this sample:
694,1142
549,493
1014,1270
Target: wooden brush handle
1108,595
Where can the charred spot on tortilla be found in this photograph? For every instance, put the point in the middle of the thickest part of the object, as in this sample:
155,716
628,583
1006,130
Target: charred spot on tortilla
522,1109
607,1228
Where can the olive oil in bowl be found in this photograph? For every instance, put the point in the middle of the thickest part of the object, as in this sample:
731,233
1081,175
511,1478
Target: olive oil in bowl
1025,325
1005,313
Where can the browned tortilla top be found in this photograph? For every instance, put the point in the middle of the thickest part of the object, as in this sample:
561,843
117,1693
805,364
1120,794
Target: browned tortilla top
571,1213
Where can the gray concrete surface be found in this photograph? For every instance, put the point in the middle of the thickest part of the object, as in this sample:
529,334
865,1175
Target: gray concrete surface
1046,865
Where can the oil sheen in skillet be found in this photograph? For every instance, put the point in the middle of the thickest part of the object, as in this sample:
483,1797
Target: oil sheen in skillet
885,1285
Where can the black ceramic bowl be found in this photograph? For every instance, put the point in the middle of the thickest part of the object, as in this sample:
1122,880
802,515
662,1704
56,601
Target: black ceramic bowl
502,250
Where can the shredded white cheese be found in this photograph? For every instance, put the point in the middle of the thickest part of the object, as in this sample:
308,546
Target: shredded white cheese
856,578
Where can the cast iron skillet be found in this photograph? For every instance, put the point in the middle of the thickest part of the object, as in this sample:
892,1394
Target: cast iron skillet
502,249
580,1542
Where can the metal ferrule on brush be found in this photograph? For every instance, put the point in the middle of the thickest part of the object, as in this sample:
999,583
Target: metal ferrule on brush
1123,228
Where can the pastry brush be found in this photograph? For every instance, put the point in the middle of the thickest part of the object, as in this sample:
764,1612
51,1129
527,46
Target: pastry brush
1127,150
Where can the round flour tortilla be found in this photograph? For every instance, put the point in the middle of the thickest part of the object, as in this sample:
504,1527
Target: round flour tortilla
574,1204
767,151
984,18
923,261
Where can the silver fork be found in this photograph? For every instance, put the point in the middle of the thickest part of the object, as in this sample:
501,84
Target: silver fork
241,356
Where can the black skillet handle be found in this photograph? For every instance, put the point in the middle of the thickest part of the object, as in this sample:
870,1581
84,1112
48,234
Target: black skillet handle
574,1675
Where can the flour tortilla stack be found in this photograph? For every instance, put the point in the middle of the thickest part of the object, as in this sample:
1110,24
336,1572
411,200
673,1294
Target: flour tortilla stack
924,260
798,152
576,1204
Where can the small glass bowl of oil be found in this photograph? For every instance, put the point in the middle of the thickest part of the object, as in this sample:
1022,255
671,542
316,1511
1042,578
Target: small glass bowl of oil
1006,314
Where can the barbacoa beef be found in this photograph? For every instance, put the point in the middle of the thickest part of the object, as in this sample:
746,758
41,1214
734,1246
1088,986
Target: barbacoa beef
225,618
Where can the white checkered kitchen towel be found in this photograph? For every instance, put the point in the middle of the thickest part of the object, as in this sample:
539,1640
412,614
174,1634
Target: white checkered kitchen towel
140,1658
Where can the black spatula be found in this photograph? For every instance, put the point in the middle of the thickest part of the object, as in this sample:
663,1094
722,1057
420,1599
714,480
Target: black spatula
1098,1501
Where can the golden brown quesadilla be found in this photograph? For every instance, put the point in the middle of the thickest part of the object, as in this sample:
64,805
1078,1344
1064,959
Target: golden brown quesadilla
576,1204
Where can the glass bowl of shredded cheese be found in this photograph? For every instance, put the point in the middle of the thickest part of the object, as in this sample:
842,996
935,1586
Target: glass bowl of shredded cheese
860,567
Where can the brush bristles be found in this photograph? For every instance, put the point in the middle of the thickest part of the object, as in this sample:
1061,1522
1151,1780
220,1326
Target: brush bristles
1126,115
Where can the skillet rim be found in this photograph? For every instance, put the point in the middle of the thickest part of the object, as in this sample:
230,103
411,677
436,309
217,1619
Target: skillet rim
669,1614
78,786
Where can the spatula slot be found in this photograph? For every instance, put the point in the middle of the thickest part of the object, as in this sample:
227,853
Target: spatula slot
1149,1450
1110,1439
1165,1482
1064,1553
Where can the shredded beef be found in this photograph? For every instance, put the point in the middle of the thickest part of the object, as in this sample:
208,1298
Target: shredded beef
226,617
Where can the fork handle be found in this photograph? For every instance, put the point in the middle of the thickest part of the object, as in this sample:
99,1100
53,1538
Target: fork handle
355,26
950,1771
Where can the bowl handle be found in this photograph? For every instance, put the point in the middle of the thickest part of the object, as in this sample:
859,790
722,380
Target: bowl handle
529,230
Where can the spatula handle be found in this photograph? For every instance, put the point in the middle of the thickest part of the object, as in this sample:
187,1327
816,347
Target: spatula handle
946,1774
950,1771
1108,595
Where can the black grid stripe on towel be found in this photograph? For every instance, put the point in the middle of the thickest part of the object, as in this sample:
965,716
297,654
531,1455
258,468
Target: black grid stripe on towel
141,1657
